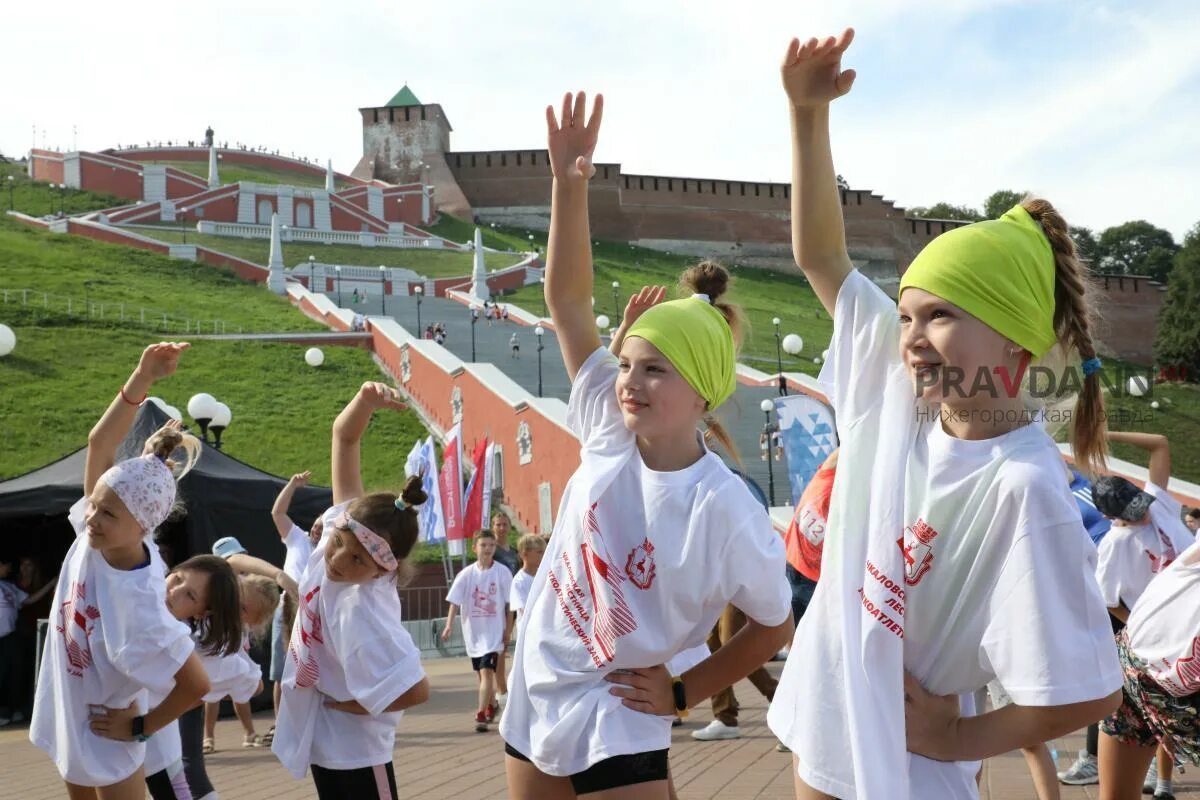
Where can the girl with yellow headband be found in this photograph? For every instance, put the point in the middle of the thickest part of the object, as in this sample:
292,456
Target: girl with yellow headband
955,554
654,534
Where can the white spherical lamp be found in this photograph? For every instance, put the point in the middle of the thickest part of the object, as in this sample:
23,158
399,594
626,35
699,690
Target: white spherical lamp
1138,385
202,406
602,322
222,416
8,340
174,413
792,344
767,406
1154,404
314,357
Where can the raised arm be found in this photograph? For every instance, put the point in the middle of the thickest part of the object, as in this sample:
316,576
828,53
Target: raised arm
569,249
1156,445
279,511
638,304
348,431
813,77
158,361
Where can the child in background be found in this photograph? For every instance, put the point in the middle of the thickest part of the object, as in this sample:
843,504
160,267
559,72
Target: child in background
352,667
203,592
117,666
481,591
1192,520
299,545
954,553
530,548
259,599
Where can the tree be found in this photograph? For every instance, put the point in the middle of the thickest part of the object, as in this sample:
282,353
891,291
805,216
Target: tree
1086,246
946,211
1158,264
1177,346
1124,248
1000,201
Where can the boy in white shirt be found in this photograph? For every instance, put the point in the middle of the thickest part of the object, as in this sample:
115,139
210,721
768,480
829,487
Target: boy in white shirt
482,589
531,548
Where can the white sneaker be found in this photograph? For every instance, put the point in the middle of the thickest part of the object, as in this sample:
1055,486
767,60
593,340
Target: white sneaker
502,699
1082,773
717,730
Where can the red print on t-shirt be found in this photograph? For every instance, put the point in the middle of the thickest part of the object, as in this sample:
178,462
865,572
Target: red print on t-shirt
917,546
640,565
1159,563
1185,673
306,637
613,617
483,604
76,621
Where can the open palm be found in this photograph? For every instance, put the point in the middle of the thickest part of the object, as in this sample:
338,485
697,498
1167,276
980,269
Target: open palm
160,360
572,138
812,72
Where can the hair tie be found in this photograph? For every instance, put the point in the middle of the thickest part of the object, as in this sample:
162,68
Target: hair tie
702,296
1091,366
400,504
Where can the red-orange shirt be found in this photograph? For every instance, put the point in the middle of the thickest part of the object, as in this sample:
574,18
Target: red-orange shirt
805,536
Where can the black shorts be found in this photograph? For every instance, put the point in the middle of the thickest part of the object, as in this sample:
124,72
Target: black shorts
615,772
488,661
364,783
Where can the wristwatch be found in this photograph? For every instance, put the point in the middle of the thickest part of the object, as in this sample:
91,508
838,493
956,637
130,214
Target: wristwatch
680,693
139,729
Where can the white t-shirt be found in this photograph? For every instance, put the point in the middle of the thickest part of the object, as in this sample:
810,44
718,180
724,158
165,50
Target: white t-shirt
1164,628
234,676
521,584
299,549
995,577
348,643
640,566
481,596
11,597
112,642
1131,555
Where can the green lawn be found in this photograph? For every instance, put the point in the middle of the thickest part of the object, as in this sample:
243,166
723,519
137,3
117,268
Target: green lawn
232,173
430,263
61,266
36,199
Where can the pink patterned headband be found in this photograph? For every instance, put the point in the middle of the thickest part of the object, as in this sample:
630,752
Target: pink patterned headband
380,551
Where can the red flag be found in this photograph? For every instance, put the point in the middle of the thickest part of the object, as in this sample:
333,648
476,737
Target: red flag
474,514
450,488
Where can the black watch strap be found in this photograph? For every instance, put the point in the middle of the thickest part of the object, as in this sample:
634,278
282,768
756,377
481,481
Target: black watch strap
139,729
680,692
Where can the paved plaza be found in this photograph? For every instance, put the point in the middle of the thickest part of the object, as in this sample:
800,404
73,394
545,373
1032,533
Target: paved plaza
440,757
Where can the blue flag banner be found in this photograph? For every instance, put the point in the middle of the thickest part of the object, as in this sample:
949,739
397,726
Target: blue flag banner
808,435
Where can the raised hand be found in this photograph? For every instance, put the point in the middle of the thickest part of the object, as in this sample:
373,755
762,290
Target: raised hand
379,395
572,138
812,72
640,303
301,478
160,360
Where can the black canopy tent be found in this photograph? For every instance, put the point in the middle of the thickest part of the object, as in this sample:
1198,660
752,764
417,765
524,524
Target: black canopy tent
222,497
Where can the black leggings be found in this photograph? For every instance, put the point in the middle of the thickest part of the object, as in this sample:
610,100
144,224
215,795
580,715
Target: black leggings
365,783
163,787
615,772
191,735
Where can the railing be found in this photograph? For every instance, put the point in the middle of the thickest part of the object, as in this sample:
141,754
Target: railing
292,234
53,305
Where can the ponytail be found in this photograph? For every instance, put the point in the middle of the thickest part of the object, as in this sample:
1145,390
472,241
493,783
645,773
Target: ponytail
1074,317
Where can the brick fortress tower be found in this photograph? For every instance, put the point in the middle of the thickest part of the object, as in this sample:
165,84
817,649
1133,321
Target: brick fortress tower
406,141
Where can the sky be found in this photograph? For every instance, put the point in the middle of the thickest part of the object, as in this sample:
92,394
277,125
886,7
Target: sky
1093,105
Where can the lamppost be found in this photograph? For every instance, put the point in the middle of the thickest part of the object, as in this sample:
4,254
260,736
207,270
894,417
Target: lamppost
383,290
11,205
602,323
539,331
220,422
51,198
616,299
419,290
792,345
779,356
770,430
312,275
337,270
474,319
87,306
545,311
183,223
203,408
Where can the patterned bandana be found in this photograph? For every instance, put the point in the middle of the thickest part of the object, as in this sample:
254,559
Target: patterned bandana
380,551
146,487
